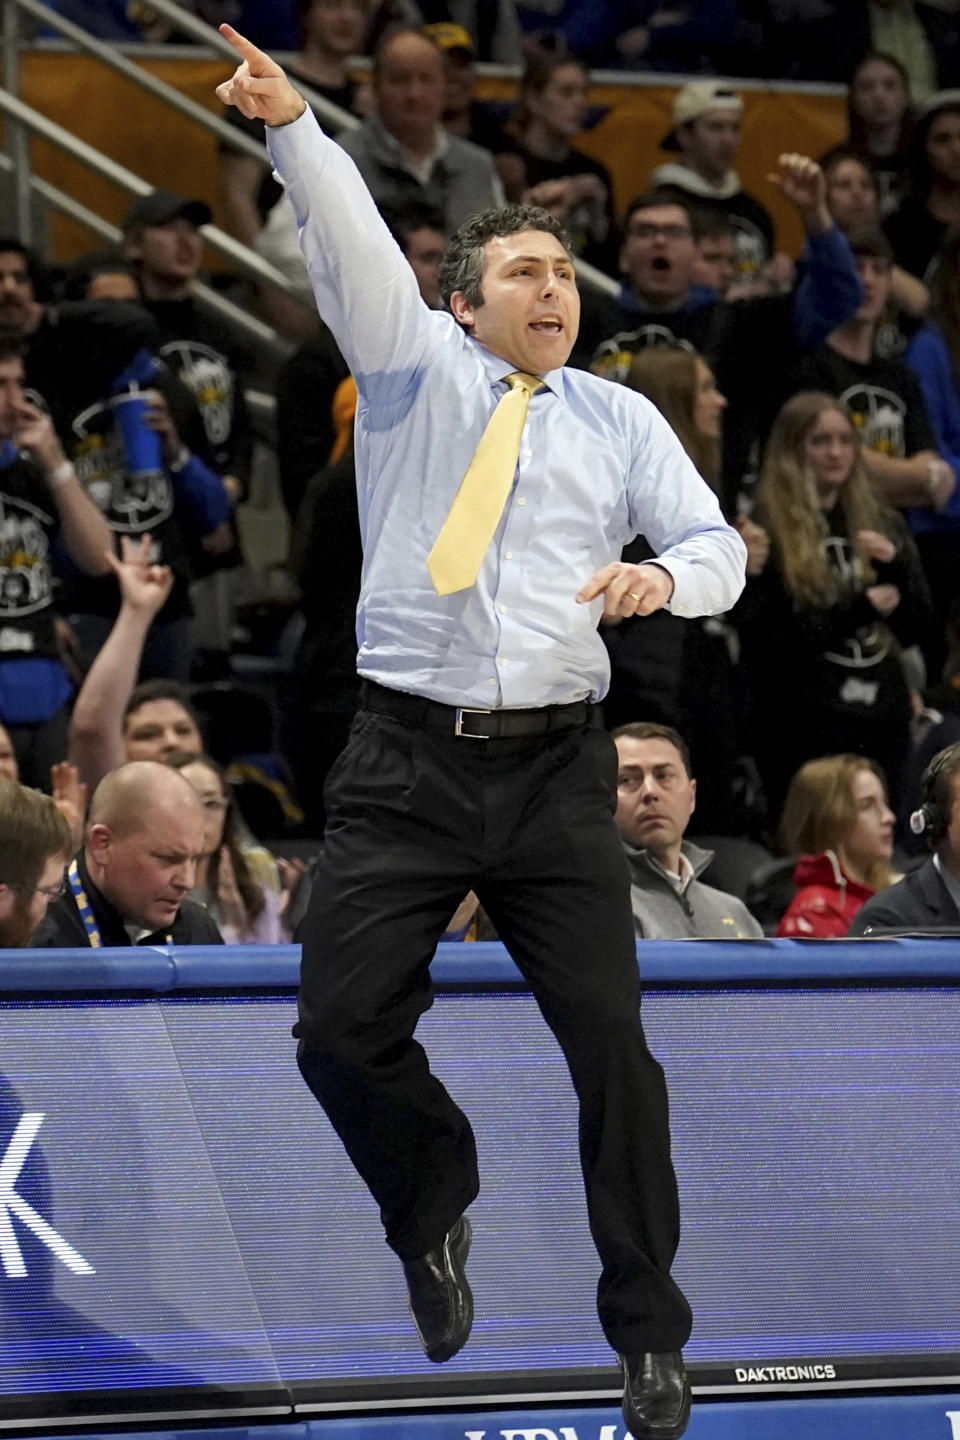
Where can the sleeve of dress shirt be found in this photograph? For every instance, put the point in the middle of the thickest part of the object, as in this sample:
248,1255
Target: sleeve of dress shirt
366,292
681,517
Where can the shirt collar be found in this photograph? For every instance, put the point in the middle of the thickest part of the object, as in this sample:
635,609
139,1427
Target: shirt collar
498,369
392,145
679,882
949,880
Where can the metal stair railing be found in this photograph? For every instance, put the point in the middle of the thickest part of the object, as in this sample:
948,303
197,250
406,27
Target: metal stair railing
244,258
108,55
23,119
211,38
211,300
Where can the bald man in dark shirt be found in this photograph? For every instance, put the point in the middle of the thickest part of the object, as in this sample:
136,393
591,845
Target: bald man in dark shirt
129,884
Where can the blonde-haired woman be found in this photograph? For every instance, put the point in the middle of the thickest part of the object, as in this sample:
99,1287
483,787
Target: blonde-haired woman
682,386
841,591
837,819
682,672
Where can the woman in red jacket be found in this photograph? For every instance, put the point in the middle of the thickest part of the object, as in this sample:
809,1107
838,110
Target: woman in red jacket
836,818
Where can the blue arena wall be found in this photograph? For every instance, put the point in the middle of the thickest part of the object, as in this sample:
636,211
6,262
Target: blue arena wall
181,1236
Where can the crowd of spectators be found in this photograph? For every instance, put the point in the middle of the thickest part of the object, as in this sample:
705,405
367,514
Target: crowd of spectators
819,395
789,39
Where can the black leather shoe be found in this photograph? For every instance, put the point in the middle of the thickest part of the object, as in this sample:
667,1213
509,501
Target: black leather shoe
440,1296
656,1395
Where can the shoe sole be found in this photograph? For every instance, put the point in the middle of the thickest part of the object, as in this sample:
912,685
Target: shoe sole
457,1253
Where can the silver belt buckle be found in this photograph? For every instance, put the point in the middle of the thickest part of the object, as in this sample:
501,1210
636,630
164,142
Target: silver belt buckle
458,723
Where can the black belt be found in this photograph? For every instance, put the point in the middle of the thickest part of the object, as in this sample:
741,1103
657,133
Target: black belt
471,724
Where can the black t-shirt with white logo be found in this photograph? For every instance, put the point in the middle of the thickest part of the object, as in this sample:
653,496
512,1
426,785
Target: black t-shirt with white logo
78,350
749,345
28,528
132,505
826,677
198,352
883,397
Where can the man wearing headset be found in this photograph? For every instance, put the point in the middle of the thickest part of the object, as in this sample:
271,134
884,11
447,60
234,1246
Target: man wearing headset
928,898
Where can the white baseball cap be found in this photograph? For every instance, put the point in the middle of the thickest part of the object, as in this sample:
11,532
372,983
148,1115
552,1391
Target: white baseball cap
694,100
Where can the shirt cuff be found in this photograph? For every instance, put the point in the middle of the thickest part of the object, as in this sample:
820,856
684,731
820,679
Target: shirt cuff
286,140
678,570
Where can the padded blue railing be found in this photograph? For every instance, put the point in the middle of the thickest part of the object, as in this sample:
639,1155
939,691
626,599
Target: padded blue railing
159,969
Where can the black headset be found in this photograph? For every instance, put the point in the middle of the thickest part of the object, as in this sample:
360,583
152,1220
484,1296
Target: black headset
932,820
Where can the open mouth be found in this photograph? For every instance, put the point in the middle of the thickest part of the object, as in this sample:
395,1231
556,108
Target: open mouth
661,264
550,326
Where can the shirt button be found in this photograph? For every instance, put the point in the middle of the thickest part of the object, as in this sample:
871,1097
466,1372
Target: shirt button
504,662
521,500
527,454
502,609
509,555
492,682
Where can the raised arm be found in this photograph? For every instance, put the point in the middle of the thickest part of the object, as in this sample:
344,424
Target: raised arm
365,290
86,536
258,87
96,728
829,291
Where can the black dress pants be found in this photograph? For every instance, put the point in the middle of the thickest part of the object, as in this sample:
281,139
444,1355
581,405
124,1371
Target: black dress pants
417,818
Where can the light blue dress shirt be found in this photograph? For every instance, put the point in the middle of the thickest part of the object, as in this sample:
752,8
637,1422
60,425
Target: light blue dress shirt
597,466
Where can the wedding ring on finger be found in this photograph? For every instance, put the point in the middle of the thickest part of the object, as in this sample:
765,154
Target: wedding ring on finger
632,595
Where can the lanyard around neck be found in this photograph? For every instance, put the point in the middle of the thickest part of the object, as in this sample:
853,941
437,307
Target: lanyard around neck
83,905
86,910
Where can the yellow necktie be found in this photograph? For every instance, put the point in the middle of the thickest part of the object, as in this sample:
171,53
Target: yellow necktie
458,551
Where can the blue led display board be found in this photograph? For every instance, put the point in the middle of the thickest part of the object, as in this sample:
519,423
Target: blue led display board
181,1233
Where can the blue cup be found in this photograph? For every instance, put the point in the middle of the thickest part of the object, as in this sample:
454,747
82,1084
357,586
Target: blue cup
142,446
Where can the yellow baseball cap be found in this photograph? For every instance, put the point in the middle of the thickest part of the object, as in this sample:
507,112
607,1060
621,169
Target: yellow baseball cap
448,36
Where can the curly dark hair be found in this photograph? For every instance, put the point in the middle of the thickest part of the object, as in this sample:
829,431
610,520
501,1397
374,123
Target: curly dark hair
464,258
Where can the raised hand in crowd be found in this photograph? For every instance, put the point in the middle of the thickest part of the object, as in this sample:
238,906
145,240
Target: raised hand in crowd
258,87
96,726
801,181
85,532
35,434
143,587
70,797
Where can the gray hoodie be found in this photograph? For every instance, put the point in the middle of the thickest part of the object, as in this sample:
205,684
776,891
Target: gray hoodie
663,911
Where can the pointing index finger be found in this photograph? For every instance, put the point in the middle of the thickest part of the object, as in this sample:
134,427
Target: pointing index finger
259,62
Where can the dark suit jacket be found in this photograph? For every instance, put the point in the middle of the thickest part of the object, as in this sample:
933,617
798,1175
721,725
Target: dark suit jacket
920,901
63,928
